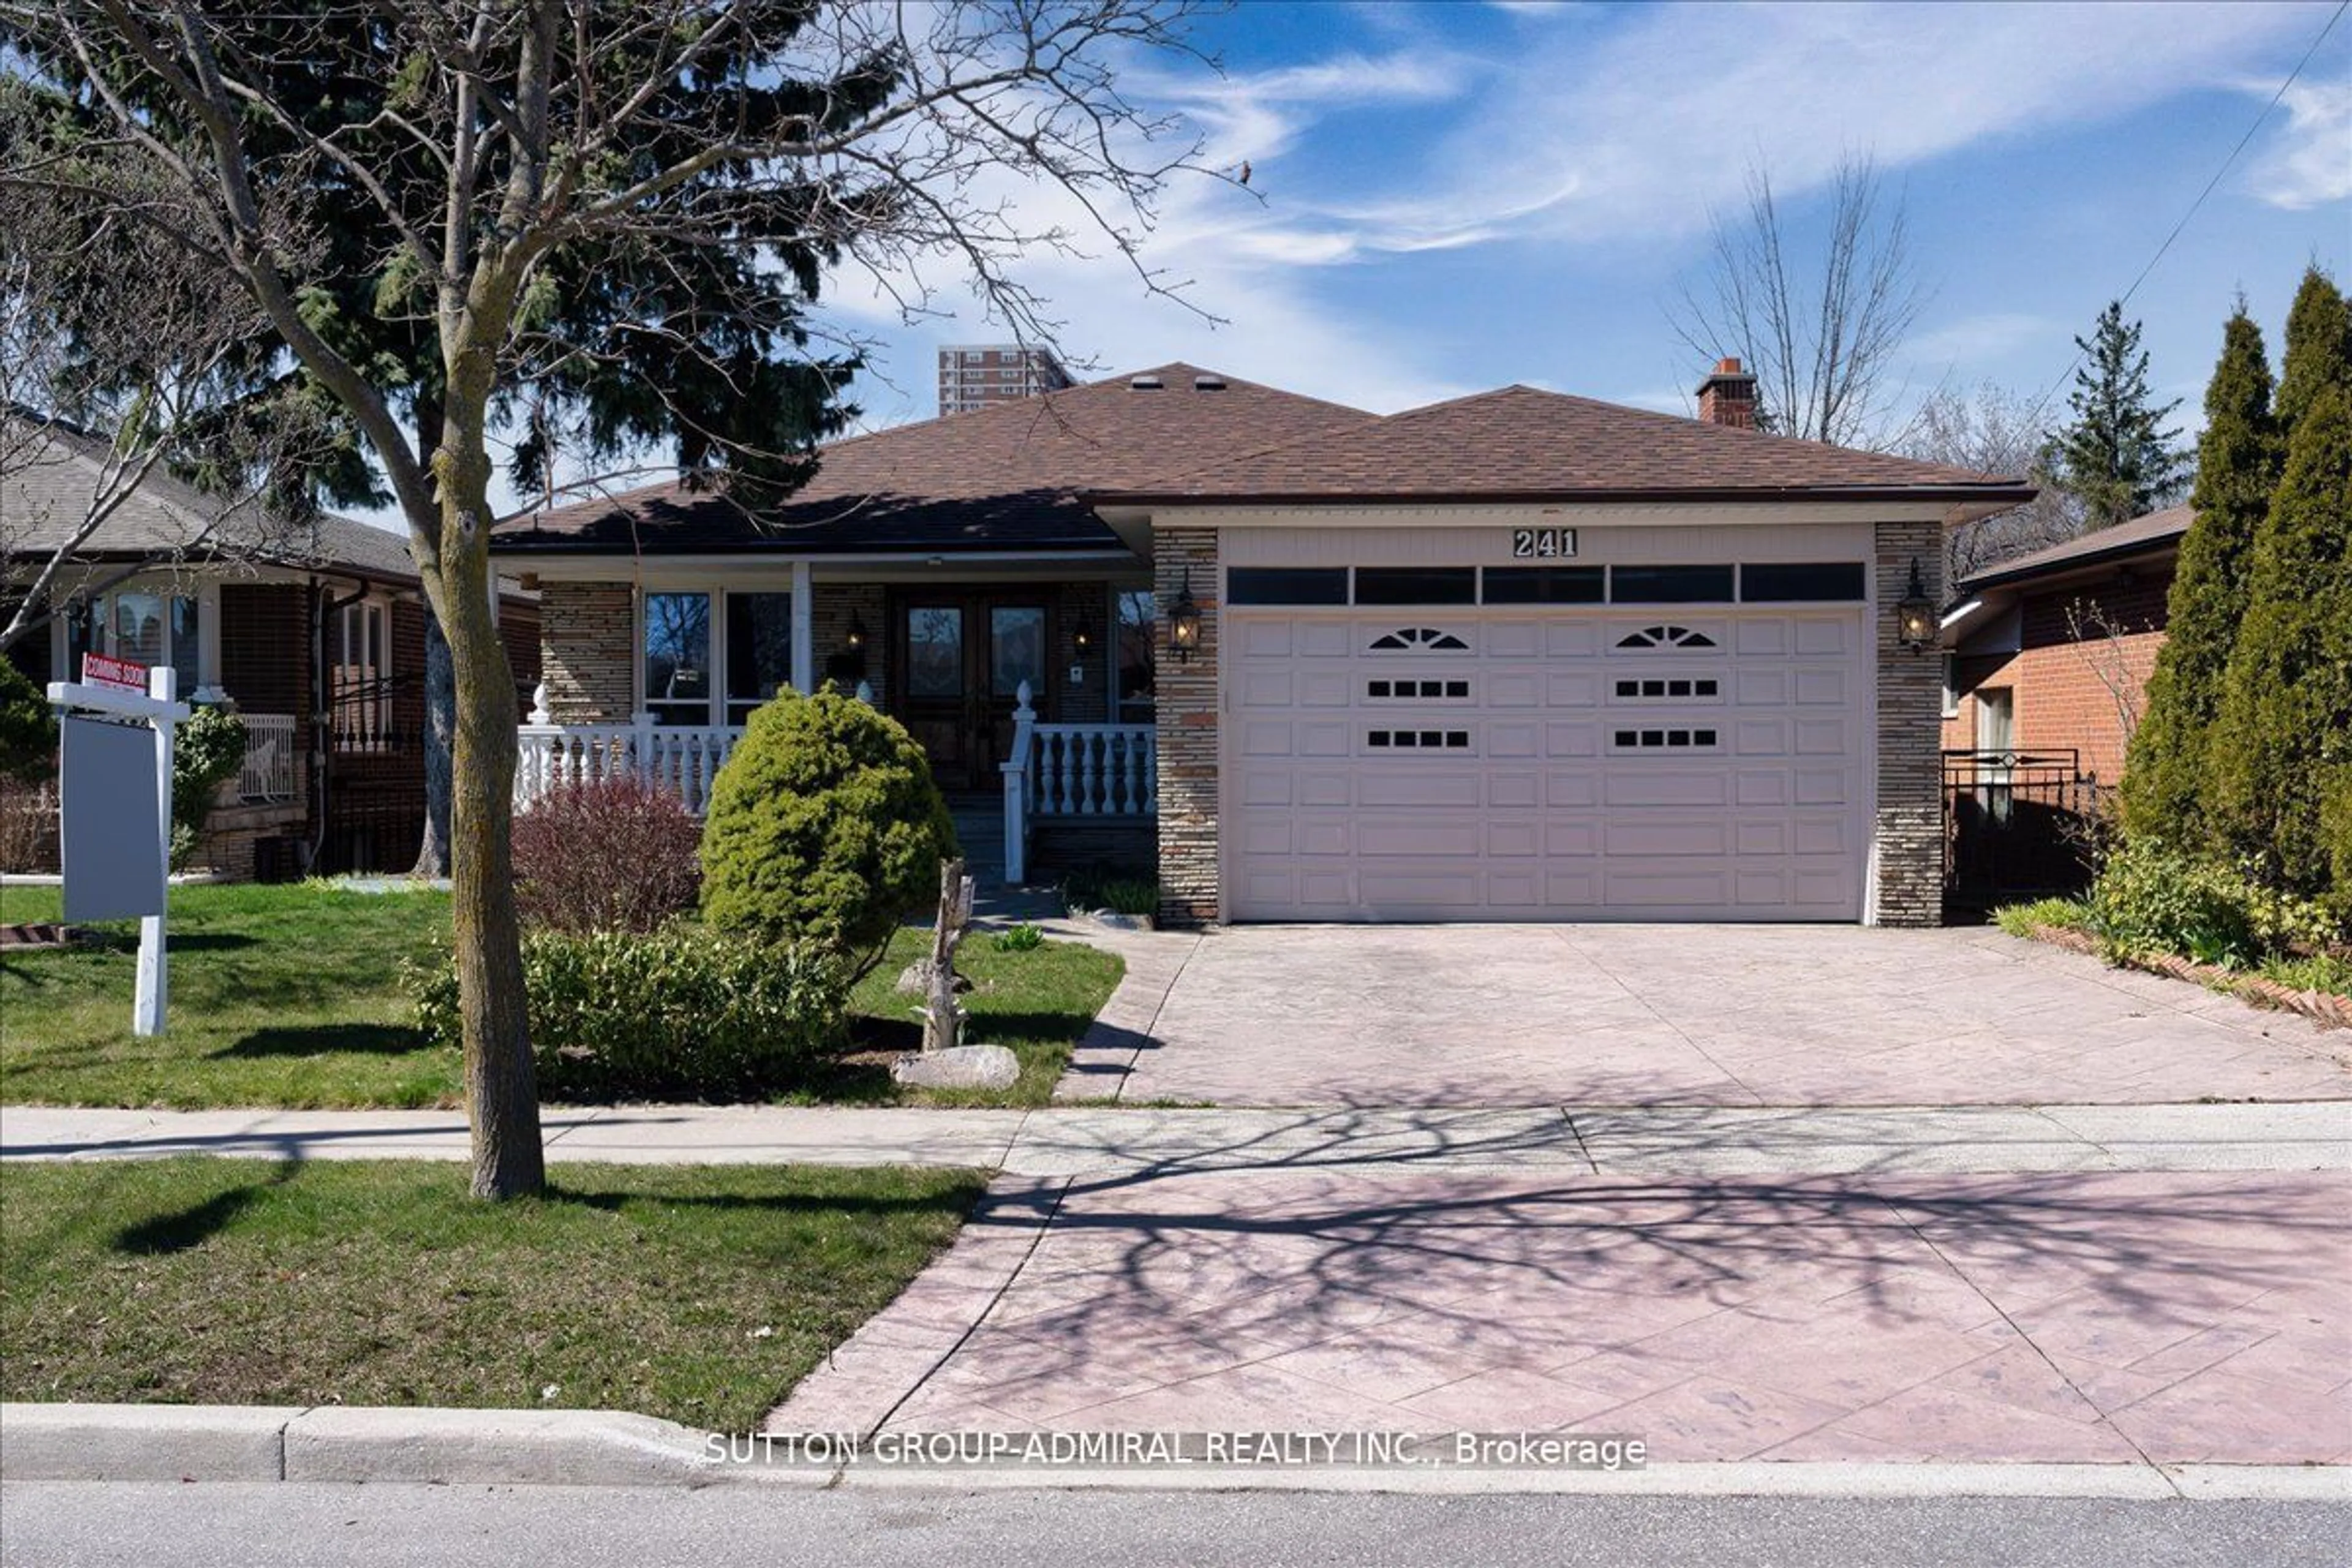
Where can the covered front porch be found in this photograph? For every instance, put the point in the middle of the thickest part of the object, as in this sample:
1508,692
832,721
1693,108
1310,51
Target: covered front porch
1032,695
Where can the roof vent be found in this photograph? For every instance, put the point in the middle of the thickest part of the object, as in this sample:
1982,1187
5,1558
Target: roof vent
1146,383
1208,383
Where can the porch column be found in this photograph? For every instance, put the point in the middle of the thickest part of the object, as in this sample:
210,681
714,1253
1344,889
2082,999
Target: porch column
803,630
208,644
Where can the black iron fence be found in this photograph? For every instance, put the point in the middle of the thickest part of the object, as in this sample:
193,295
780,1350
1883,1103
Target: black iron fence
2017,826
374,797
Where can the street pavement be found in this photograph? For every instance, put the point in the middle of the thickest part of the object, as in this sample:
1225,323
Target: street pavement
69,1525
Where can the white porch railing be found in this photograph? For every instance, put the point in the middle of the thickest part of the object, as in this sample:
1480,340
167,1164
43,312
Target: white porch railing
268,773
684,761
1073,770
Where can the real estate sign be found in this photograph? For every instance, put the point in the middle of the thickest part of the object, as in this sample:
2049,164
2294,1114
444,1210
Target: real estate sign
118,673
109,841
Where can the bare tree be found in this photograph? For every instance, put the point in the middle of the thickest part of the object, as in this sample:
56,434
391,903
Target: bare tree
116,344
688,167
1992,431
1821,333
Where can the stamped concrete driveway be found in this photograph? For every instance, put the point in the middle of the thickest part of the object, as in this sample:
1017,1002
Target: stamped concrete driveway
1631,1015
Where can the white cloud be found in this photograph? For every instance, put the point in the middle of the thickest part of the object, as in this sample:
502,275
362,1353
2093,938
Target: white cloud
1639,131
2310,162
1979,339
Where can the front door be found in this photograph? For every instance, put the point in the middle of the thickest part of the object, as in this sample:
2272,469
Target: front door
963,658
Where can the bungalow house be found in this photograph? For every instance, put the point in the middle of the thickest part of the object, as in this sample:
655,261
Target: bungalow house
2051,652
313,631
1518,655
2047,660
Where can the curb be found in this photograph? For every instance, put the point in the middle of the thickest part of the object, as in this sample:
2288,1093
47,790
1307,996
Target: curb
213,1442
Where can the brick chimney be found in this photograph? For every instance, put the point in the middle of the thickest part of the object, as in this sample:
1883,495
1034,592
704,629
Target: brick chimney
1728,396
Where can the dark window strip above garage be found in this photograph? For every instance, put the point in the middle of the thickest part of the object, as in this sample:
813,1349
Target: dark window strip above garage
1770,582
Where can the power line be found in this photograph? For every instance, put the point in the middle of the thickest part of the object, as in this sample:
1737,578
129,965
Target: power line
2227,163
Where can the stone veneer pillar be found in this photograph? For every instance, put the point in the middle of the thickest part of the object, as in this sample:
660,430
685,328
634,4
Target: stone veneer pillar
1186,710
1907,841
588,649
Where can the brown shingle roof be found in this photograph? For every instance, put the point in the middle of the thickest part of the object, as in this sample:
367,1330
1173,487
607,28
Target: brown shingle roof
1521,441
1008,476
2148,534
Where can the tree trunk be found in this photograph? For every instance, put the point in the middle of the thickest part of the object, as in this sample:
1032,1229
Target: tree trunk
502,1095
440,735
943,1019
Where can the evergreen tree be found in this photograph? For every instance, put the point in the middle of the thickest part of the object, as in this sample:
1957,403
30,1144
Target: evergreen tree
2285,727
2237,468
2319,335
2117,454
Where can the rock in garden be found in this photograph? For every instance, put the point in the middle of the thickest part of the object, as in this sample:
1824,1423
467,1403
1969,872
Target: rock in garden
960,1067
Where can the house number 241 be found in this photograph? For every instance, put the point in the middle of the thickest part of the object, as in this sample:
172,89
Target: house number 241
1542,544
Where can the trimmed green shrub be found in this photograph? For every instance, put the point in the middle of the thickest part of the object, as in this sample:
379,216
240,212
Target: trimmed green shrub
682,1015
2023,919
823,826
2237,468
206,753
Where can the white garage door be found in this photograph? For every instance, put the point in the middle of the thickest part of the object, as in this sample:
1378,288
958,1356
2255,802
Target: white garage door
1663,763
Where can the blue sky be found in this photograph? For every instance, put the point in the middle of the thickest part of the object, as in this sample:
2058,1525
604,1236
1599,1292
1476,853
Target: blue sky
1446,197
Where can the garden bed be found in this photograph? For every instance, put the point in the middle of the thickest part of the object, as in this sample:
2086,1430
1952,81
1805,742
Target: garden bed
698,1294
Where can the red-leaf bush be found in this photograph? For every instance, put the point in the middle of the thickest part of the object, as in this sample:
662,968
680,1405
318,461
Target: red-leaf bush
608,855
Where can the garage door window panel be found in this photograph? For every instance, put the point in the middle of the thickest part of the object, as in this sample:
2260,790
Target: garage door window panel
1287,586
1546,586
1670,584
1416,584
1804,582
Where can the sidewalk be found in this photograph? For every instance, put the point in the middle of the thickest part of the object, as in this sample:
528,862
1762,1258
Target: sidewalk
1681,1142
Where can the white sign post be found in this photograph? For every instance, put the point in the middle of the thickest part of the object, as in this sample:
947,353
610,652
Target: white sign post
128,882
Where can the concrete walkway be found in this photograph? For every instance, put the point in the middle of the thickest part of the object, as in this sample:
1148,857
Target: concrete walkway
1716,1015
1087,1141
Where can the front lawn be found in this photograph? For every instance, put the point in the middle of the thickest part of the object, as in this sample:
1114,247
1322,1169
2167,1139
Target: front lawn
279,995
701,1294
1038,1003
292,996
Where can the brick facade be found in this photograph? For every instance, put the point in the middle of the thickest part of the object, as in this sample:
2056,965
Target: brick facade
2073,678
1186,558
587,652
1907,840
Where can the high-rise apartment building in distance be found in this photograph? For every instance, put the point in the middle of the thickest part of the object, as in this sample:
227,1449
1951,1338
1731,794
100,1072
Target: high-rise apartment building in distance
974,376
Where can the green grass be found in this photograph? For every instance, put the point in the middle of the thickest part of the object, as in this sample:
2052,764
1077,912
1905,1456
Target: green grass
2020,919
279,995
380,1282
292,996
1038,1002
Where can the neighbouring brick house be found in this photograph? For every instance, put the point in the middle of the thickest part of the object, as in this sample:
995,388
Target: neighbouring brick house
1519,655
2046,667
2051,652
313,632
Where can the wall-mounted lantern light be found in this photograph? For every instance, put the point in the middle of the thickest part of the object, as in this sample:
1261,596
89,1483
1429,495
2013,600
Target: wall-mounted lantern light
1082,635
1915,614
855,638
1184,623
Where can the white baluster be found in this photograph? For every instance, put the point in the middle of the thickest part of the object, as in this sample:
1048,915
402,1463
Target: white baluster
1086,779
1152,771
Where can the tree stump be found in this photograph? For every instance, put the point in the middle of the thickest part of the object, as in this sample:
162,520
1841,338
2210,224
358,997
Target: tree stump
943,1018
